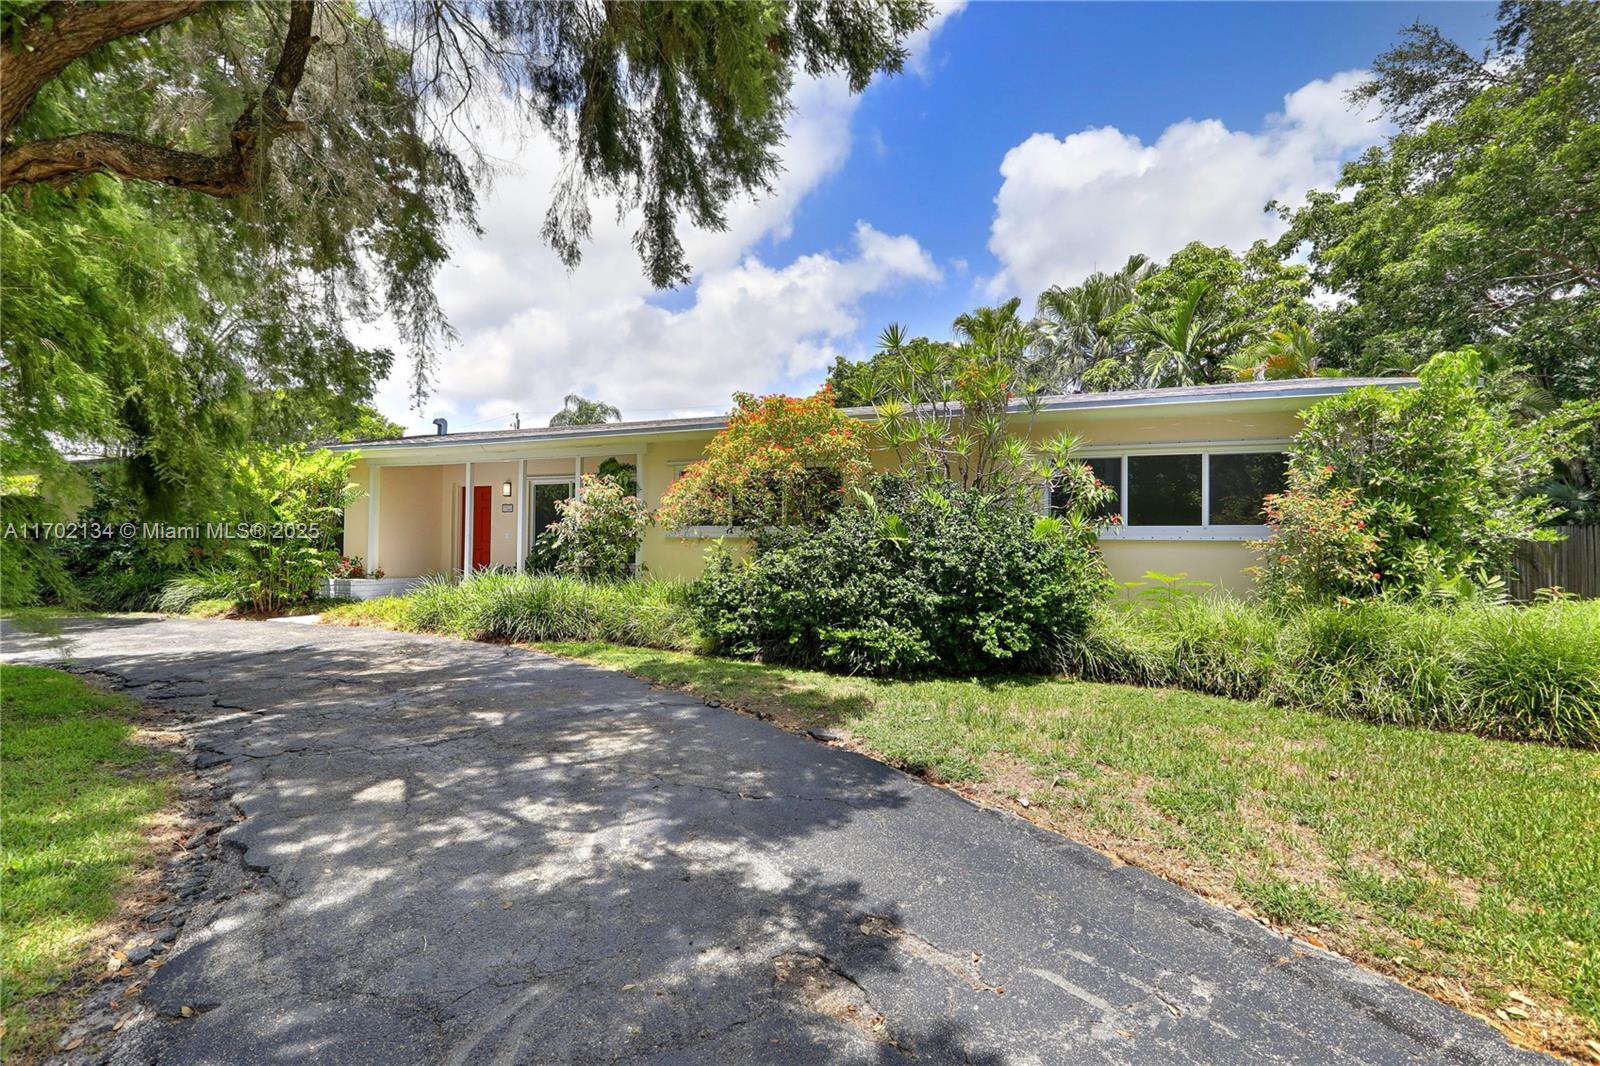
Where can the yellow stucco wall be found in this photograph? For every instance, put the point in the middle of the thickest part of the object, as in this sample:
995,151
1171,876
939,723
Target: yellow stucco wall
419,536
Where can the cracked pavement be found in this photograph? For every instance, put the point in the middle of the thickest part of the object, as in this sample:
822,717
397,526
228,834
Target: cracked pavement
467,853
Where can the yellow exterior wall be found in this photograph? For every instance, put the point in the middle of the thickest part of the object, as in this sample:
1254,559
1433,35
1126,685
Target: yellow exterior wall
420,537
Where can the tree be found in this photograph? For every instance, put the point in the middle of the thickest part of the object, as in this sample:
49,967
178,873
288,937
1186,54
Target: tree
1176,344
285,167
1292,352
780,461
578,411
945,407
1478,223
1081,327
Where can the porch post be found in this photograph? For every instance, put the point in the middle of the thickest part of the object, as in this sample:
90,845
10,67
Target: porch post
638,490
372,516
577,475
522,515
466,526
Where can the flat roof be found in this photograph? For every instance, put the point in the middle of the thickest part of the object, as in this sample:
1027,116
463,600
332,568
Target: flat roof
1231,392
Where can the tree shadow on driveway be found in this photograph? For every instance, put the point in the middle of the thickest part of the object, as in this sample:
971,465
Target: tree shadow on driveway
464,853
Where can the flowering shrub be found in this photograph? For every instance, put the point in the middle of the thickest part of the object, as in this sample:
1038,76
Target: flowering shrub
781,461
351,566
599,530
1451,473
1323,546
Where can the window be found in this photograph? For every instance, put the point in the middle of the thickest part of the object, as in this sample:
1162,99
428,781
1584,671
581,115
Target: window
1184,495
1109,470
1164,490
1239,483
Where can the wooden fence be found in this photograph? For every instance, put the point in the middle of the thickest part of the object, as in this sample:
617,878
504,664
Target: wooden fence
1573,564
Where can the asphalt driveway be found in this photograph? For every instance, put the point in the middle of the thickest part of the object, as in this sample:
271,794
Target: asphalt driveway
463,853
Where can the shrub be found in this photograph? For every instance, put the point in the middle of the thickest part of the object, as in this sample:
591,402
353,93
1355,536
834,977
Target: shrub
291,501
31,570
780,461
1322,545
1529,673
1448,472
598,532
533,608
908,580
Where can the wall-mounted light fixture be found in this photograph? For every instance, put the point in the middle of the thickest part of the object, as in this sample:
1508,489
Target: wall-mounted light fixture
505,490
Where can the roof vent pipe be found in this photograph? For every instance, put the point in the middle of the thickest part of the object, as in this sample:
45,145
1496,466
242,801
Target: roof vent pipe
440,426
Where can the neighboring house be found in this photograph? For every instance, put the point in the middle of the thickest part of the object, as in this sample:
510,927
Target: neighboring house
1191,466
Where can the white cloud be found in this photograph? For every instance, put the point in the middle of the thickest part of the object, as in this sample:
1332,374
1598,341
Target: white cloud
1069,206
531,331
921,61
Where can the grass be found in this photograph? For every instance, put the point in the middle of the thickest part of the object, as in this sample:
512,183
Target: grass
78,794
1466,867
529,608
1530,673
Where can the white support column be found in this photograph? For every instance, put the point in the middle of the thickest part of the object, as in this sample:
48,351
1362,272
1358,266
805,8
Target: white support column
372,516
466,526
522,515
577,475
638,489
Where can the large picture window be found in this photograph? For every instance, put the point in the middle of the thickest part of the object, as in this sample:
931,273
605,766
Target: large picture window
1240,482
1187,495
1164,490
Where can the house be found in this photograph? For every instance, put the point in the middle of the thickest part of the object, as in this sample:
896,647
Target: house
1191,466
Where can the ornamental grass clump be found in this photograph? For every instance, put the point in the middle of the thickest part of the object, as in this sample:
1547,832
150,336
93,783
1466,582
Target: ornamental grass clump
1528,673
534,608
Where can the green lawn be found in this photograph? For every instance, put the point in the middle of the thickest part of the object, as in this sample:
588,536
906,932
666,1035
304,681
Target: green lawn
76,795
1469,868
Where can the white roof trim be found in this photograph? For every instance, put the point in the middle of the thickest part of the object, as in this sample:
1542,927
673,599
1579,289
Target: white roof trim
1255,391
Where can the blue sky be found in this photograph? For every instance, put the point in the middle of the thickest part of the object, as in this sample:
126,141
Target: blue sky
1027,144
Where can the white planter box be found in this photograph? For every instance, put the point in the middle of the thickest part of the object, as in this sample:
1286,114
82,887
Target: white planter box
367,588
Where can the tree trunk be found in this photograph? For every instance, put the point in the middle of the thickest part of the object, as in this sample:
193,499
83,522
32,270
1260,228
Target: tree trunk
81,27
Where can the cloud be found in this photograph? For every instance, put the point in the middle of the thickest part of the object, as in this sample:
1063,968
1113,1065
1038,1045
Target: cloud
921,60
531,331
1072,205
750,326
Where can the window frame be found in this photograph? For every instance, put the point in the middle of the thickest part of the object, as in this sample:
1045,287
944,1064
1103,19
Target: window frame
1205,530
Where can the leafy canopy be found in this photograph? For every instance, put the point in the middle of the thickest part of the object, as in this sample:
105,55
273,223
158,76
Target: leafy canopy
288,168
1450,477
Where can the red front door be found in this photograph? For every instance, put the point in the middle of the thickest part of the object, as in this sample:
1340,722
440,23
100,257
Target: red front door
482,500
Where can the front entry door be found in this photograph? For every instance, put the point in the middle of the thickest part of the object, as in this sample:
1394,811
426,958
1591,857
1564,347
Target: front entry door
482,501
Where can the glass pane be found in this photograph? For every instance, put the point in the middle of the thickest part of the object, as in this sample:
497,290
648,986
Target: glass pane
544,505
1164,490
1108,470
1240,482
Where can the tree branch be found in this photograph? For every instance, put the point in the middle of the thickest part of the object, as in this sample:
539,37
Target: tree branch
230,172
65,31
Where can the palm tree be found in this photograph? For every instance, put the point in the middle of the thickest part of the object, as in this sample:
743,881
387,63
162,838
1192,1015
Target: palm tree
1176,343
1292,352
1077,327
578,411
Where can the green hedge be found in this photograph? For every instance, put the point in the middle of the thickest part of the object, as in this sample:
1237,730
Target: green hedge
1522,672
533,608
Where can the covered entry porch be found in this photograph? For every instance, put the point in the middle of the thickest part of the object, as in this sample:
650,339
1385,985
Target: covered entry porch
425,519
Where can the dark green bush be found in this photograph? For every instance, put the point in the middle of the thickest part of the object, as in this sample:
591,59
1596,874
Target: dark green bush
915,581
1530,673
